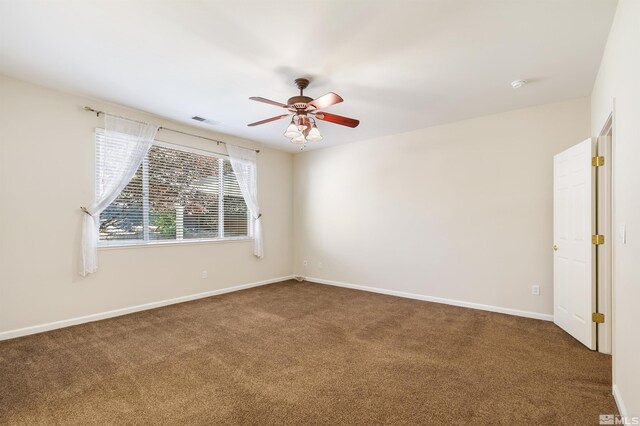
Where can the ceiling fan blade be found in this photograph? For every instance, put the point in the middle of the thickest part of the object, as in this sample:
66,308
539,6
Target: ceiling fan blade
267,101
257,123
325,101
337,119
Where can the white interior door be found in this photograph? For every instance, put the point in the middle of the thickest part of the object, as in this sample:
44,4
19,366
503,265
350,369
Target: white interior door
573,226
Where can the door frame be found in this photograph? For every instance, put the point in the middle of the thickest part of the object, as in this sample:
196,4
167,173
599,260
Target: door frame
605,225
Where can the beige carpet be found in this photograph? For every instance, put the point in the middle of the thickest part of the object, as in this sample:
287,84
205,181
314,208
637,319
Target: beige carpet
300,353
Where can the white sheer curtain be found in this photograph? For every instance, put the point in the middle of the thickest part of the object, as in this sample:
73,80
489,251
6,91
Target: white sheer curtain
118,163
243,162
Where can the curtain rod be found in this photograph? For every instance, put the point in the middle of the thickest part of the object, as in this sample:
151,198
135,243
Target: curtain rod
98,112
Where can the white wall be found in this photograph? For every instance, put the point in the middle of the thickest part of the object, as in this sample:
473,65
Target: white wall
46,174
618,79
461,211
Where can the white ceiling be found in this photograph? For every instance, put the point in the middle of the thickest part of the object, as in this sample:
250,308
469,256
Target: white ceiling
400,65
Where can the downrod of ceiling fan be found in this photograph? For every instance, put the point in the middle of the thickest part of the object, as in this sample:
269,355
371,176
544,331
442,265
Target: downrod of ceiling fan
302,84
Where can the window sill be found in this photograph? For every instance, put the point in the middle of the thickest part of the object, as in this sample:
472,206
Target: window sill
127,245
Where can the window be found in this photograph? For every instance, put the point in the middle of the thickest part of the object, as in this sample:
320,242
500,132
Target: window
177,194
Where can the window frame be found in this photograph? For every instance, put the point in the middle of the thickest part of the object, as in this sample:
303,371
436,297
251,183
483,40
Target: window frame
110,244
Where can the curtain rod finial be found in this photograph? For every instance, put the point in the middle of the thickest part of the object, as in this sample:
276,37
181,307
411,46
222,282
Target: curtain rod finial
88,108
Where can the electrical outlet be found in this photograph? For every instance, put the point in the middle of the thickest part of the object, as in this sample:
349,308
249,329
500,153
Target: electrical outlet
305,263
535,290
204,275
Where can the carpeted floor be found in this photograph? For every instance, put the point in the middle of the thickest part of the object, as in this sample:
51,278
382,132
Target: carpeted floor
300,353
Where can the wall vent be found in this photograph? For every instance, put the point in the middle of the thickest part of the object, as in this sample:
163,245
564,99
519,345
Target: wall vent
204,120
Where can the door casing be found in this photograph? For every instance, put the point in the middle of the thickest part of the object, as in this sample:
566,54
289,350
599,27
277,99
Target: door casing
604,281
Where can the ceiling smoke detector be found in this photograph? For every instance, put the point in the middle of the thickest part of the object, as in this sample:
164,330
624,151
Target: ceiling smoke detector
516,84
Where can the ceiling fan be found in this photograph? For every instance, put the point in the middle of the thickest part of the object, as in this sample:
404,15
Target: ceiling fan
304,111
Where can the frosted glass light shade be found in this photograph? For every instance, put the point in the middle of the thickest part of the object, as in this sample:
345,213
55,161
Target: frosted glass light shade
303,124
292,131
314,134
299,139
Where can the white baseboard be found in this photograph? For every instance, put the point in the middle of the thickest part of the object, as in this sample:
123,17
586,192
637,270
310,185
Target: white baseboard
491,308
124,311
618,398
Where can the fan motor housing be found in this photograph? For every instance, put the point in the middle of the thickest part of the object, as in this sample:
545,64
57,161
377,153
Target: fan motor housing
299,102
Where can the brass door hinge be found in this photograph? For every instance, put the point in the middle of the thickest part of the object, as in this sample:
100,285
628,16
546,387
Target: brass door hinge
597,239
597,161
597,317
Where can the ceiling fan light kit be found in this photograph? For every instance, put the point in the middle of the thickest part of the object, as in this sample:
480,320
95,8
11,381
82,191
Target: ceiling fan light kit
304,111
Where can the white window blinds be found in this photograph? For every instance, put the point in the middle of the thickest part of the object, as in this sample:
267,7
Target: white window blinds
177,194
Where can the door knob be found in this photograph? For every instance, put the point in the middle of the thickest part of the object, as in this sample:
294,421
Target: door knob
555,247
